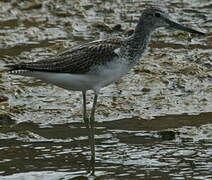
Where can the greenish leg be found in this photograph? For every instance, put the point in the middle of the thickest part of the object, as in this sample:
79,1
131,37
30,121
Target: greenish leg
85,117
92,132
86,121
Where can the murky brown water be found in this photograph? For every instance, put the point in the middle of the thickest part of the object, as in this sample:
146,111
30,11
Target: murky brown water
127,148
41,134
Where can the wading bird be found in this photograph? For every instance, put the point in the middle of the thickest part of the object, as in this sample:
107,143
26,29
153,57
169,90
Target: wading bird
94,65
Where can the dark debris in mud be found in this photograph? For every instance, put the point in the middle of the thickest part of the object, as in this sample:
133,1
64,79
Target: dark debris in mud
6,120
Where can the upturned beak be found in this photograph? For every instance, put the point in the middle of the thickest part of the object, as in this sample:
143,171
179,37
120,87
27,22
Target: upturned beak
175,25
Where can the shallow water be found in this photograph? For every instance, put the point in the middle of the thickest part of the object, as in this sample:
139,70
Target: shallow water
127,148
155,123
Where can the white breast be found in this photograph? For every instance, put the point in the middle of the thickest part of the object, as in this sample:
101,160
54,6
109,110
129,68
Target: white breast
110,73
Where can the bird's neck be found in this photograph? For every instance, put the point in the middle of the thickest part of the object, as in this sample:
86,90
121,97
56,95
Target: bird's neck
138,41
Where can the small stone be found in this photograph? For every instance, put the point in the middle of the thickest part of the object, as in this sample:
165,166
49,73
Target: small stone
167,135
5,119
146,89
3,98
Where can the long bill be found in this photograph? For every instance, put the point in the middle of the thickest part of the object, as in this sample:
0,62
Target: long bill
181,27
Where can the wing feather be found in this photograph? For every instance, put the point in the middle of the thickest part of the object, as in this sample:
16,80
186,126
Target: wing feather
77,60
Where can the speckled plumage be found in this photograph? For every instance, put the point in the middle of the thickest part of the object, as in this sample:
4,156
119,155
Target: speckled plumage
76,60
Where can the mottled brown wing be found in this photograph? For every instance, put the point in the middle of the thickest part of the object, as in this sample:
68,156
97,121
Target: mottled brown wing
76,60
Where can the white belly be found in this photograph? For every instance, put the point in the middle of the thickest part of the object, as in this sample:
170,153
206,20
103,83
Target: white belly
94,80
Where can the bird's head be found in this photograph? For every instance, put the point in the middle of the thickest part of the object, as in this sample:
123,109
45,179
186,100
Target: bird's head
155,18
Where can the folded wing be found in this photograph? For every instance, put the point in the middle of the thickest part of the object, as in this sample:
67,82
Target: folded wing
77,60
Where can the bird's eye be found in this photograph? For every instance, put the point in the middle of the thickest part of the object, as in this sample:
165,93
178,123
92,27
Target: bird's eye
157,14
